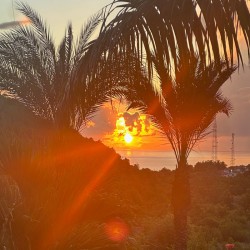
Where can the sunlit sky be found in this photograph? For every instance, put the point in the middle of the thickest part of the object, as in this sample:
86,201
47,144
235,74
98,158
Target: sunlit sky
108,123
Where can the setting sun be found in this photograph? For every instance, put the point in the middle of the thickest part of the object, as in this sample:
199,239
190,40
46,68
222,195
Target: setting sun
128,138
132,130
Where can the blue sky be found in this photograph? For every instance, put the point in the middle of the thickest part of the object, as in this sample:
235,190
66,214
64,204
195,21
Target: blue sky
58,13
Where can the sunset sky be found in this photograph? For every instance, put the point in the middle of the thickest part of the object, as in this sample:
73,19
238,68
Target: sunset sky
112,124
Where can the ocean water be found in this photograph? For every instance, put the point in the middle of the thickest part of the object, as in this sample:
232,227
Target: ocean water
156,160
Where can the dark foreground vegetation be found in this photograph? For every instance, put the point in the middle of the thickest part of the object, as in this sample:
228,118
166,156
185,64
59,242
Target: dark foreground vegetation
62,191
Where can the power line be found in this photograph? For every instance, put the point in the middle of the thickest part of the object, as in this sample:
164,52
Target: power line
232,151
214,141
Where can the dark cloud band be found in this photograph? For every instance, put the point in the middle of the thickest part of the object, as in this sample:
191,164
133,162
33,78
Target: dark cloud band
12,24
8,25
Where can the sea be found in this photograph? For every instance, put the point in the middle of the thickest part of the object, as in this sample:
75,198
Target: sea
156,160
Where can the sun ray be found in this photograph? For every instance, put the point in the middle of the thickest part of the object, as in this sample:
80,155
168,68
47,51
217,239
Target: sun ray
66,220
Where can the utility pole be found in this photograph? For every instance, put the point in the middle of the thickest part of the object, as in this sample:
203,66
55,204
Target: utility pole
214,141
232,151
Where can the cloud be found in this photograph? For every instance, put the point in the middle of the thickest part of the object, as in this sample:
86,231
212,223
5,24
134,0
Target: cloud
138,124
8,25
12,24
132,121
102,123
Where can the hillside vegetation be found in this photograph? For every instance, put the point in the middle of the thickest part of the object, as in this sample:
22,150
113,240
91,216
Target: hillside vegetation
63,191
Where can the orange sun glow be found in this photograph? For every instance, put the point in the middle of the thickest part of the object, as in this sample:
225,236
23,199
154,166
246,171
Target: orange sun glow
128,138
131,130
116,230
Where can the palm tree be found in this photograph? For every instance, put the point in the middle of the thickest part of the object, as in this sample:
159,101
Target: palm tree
54,83
172,30
167,37
183,107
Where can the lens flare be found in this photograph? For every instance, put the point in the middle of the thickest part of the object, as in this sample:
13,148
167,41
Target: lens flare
116,230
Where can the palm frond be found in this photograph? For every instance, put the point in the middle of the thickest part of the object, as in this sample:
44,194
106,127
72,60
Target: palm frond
40,28
183,107
173,30
55,84
86,33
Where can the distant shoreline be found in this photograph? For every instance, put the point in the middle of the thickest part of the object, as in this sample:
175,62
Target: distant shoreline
158,159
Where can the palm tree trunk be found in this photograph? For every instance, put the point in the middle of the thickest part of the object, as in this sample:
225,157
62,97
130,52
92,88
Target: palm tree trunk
181,202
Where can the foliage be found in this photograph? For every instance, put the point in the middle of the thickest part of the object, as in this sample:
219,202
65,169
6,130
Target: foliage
210,166
10,199
62,182
184,28
183,107
53,174
54,83
217,214
179,44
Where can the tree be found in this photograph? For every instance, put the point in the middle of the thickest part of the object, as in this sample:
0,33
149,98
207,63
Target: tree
172,30
168,37
210,165
54,83
183,108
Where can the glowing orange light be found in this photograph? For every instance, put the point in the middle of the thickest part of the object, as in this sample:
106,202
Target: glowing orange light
128,138
120,123
116,230
131,130
25,21
68,218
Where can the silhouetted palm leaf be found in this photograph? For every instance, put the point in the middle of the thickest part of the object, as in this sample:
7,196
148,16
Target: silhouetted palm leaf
172,30
54,83
183,107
